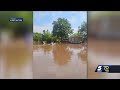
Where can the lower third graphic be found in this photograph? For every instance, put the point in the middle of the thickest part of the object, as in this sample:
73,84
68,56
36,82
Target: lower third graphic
108,68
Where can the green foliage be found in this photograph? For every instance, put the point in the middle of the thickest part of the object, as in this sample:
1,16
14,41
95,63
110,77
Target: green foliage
75,34
17,29
37,36
61,31
56,39
6,15
82,31
47,36
61,28
83,27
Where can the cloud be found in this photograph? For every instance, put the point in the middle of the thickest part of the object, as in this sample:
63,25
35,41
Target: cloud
74,17
40,29
75,12
75,29
78,17
37,29
47,27
46,13
40,13
56,13
72,20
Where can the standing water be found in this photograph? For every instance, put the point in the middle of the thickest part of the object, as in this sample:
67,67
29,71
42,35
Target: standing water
61,61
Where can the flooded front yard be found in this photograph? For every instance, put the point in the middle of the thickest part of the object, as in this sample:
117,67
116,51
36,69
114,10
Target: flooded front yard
62,61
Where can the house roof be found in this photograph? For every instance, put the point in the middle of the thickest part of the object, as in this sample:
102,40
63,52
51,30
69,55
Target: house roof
74,36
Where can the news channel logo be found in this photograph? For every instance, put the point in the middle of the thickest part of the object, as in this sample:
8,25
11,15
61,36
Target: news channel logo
103,68
16,19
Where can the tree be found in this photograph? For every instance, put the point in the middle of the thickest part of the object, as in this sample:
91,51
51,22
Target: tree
75,34
37,36
82,31
82,28
43,31
47,36
56,39
61,28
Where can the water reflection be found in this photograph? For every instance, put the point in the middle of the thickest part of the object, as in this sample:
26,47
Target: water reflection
58,61
61,56
47,49
83,54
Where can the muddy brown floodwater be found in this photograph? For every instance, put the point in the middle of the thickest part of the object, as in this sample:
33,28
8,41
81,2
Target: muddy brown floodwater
103,52
61,61
15,61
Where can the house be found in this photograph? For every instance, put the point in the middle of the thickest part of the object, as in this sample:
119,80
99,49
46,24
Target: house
65,41
75,39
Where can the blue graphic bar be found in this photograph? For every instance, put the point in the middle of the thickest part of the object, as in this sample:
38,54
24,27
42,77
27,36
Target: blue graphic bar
16,19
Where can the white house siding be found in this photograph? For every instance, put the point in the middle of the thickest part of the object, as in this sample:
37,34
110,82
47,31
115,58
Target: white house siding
75,40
